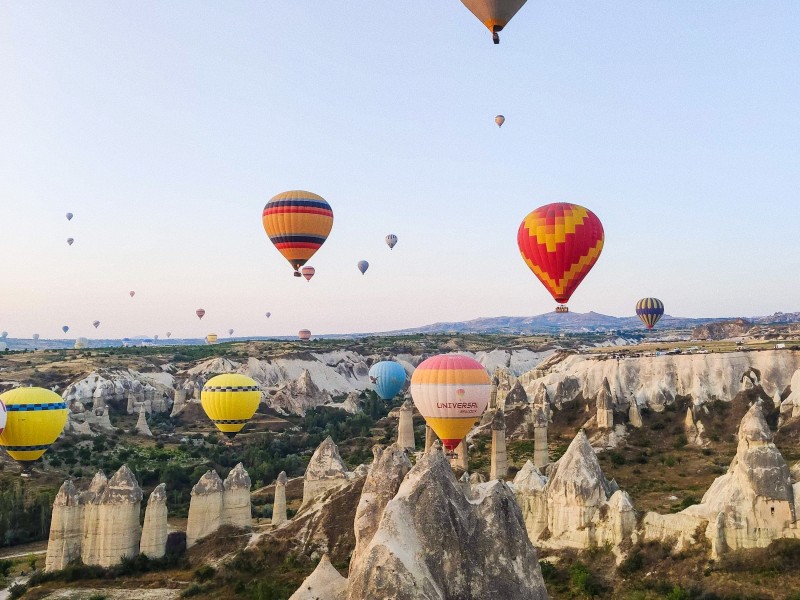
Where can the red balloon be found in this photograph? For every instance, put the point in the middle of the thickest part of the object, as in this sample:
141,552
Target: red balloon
200,312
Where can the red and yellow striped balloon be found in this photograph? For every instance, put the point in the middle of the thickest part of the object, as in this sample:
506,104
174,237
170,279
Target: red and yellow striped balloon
560,243
298,223
451,391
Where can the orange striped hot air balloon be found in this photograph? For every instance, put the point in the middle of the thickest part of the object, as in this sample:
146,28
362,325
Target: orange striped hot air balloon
451,391
304,335
560,243
298,223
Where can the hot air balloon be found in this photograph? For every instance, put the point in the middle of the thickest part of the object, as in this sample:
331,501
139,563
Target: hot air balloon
69,216
650,310
451,391
36,417
308,272
269,314
304,334
131,293
388,377
3,417
230,331
211,338
200,313
363,266
495,14
81,343
298,223
230,401
96,324
35,337
499,119
65,328
169,334
560,243
155,338
70,241
391,240
4,335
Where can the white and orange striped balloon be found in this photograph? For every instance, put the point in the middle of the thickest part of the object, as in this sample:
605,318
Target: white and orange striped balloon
451,391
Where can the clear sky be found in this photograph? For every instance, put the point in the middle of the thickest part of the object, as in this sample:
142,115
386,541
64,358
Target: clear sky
166,126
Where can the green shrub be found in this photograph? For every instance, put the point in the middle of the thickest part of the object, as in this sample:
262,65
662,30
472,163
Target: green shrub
205,573
583,580
678,593
633,563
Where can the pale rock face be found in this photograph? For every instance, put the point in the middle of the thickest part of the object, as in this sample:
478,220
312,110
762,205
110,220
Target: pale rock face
405,426
477,478
325,583
205,508
430,438
529,486
326,470
790,408
694,429
115,524
142,428
296,397
751,505
90,499
180,402
389,468
99,389
605,403
236,510
64,543
214,366
655,381
460,459
155,530
635,415
466,486
279,505
433,544
77,425
499,459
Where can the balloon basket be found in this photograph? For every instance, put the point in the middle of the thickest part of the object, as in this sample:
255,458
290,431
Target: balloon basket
562,308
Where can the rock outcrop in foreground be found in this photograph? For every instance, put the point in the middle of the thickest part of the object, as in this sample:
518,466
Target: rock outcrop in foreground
216,503
326,470
751,505
429,542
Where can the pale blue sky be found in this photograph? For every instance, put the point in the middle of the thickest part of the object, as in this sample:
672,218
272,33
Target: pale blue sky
166,126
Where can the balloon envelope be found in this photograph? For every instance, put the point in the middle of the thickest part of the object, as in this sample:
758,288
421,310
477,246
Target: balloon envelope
650,310
230,331
69,216
308,272
451,391
499,119
391,240
494,14
169,334
35,336
211,338
363,266
70,241
96,324
560,243
4,335
388,377
297,223
269,314
65,328
200,313
230,401
36,417
304,334
131,293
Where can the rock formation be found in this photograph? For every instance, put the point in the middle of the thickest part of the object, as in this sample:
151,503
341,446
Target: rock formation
155,530
142,428
429,535
90,499
405,426
529,486
114,530
236,509
205,508
430,438
179,403
499,459
605,403
790,408
279,504
754,503
541,416
460,458
325,583
695,431
326,470
389,468
296,397
64,543
635,415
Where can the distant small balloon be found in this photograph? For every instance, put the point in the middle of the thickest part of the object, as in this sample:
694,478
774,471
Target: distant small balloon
211,338
96,324
499,119
69,216
200,313
4,335
230,331
65,328
269,314
169,334
304,334
391,240
155,337
35,336
308,272
131,293
363,266
70,241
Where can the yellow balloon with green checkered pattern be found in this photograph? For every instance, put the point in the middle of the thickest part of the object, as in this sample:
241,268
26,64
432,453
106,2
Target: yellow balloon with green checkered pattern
230,401
36,417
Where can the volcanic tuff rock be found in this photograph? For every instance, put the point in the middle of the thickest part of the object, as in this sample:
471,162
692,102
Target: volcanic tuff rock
389,468
64,543
121,387
433,543
754,503
790,408
279,505
296,397
405,426
325,470
205,508
325,583
236,509
142,428
155,530
113,530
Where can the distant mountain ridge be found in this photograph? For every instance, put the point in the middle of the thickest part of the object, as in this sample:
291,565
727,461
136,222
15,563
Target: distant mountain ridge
573,322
